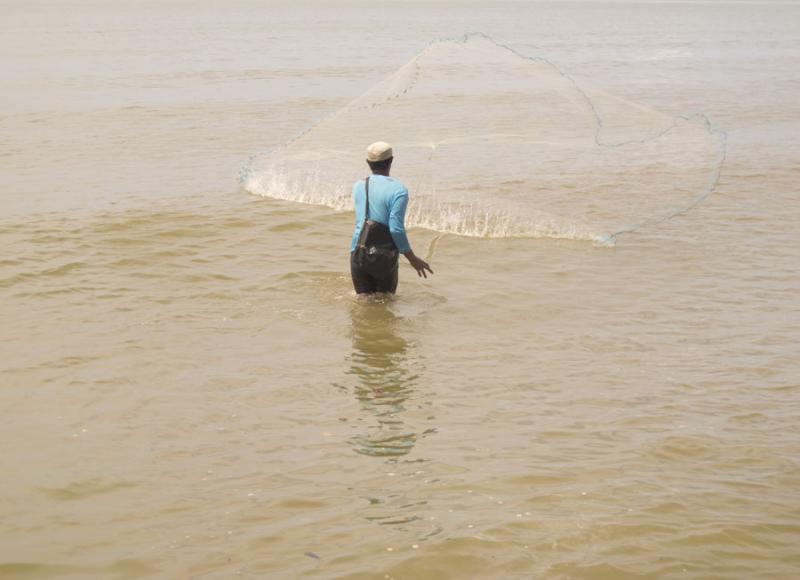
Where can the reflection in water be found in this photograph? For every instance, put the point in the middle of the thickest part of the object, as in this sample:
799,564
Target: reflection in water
385,369
380,363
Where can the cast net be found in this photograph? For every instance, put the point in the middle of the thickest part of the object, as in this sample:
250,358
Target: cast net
496,144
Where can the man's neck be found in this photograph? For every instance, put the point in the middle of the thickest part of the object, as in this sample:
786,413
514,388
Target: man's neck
384,173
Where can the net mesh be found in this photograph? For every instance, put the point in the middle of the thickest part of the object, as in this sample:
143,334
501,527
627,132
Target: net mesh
496,144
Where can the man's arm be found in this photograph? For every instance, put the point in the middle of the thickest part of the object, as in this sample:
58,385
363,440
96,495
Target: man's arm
397,217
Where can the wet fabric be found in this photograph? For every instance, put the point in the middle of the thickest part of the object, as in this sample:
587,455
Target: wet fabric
364,283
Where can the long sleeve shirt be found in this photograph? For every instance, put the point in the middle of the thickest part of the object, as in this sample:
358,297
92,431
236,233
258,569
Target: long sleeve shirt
388,199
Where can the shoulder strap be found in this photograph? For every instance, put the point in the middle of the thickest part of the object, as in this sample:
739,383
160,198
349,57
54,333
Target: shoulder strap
366,189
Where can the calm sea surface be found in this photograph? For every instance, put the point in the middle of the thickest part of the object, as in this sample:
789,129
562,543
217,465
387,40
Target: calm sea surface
190,389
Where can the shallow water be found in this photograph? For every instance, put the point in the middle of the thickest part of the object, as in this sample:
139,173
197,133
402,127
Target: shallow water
190,389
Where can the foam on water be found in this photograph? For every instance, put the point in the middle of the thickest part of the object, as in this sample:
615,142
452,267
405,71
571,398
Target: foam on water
492,143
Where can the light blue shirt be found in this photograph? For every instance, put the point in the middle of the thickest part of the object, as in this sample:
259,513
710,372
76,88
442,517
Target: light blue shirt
388,199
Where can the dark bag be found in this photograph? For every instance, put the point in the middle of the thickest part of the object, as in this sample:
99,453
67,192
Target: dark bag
376,252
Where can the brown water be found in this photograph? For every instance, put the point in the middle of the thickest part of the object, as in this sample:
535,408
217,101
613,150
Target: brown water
191,390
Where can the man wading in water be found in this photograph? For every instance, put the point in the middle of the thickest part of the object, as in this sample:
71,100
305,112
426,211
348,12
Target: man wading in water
382,200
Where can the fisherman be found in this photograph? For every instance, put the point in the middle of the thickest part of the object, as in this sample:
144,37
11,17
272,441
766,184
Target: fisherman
388,199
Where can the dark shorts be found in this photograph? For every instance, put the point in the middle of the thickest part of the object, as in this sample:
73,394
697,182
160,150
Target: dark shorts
366,284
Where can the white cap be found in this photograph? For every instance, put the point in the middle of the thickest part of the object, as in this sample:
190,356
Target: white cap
379,151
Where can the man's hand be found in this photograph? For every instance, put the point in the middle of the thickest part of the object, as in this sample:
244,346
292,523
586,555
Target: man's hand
418,264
